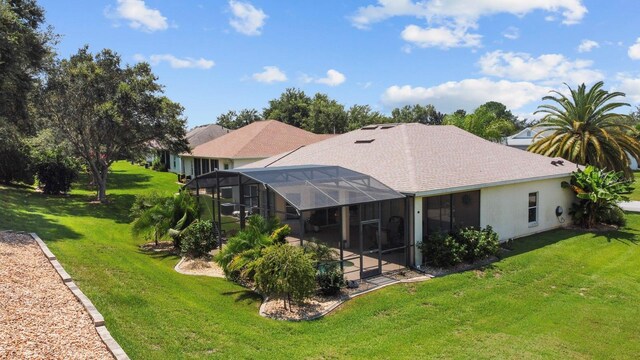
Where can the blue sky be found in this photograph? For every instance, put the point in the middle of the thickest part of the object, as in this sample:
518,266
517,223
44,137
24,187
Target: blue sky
220,55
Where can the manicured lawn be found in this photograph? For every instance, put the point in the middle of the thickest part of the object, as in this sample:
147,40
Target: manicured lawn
635,195
563,294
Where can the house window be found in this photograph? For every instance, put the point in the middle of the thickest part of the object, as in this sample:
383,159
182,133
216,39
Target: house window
449,212
196,166
226,166
214,164
205,166
533,209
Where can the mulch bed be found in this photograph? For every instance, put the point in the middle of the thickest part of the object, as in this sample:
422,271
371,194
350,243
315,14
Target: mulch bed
39,316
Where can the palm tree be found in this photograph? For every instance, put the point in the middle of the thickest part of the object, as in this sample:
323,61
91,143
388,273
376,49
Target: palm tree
586,131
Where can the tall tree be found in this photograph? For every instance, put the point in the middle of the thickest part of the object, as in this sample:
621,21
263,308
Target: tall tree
586,130
234,120
427,115
292,107
483,122
105,110
362,115
326,116
25,53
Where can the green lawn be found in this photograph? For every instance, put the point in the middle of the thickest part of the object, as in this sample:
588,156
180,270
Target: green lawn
562,294
635,195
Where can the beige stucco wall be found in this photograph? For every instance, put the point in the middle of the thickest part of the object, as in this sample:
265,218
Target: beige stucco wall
242,162
505,207
188,165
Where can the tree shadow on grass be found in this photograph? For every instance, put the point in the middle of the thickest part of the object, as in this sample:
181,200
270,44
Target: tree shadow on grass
46,228
622,236
117,179
243,295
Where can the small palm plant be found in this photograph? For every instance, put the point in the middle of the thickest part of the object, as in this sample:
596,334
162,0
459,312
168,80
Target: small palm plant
586,130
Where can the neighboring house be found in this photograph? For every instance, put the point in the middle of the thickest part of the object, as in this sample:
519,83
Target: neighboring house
375,193
527,136
195,137
250,143
524,138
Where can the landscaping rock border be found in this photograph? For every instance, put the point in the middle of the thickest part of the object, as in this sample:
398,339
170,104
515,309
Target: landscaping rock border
97,318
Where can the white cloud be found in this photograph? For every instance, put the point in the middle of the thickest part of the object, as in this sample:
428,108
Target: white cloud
442,37
511,33
550,69
587,45
140,16
464,11
630,86
270,75
466,94
333,78
450,20
177,63
247,19
634,50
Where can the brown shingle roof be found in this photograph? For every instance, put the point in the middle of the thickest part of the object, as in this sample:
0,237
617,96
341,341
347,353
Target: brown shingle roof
260,139
416,158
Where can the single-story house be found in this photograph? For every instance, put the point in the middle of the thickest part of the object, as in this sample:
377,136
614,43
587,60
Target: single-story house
256,141
524,138
376,193
195,137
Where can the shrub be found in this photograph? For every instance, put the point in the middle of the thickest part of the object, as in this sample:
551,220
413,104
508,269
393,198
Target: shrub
320,253
442,250
55,175
286,272
157,165
279,235
599,193
330,278
478,244
198,239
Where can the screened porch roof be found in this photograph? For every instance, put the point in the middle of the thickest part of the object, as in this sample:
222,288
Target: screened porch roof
305,187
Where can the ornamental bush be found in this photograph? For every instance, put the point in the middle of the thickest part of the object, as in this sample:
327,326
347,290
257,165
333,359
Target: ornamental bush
198,239
55,175
469,244
279,235
286,272
478,244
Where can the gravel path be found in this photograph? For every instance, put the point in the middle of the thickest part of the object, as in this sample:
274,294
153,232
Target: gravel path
39,316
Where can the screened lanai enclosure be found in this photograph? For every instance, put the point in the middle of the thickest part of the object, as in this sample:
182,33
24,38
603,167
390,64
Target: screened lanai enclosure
365,221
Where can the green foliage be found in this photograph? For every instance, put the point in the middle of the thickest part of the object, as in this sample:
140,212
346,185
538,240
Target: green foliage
237,257
478,244
427,115
25,54
330,278
279,235
326,116
587,130
292,107
109,111
156,215
599,193
15,156
491,121
286,272
157,165
198,239
320,253
359,116
444,250
53,163
233,120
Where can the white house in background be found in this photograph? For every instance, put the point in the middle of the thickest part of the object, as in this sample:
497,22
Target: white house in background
195,137
524,138
250,143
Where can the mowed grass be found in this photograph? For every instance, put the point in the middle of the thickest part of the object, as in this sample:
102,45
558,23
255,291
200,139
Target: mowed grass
635,194
562,294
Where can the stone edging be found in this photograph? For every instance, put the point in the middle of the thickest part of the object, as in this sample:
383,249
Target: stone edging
346,298
98,321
